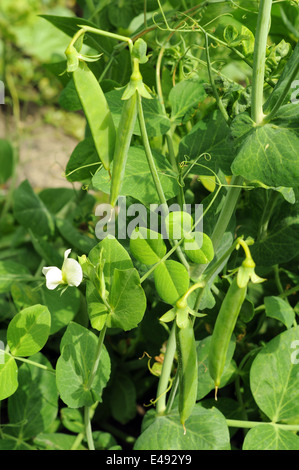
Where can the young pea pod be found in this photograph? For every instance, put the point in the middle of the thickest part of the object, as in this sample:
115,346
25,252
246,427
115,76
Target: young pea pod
97,112
122,145
224,327
187,370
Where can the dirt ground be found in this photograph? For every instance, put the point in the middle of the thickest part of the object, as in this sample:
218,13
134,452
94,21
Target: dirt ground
44,149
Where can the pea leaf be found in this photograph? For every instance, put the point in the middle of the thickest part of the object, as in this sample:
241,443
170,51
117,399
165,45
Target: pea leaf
29,330
184,99
78,349
206,430
147,246
83,162
34,405
30,211
270,437
210,136
279,309
8,376
138,181
11,272
171,280
127,300
268,153
274,380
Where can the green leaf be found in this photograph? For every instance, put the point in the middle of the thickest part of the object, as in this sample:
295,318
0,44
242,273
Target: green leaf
34,405
114,255
11,272
6,160
83,162
78,350
30,211
28,331
138,181
184,99
55,441
8,377
62,307
171,280
280,309
211,137
270,437
147,246
268,153
206,430
274,379
127,300
122,397
72,235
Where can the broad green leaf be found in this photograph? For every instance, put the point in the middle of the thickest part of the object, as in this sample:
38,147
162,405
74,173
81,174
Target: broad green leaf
83,162
62,307
24,295
34,405
6,160
127,300
184,99
11,272
138,181
8,376
69,98
274,379
278,308
206,430
122,397
55,441
270,437
72,419
114,255
171,280
210,138
78,352
147,246
30,211
28,331
268,153
72,235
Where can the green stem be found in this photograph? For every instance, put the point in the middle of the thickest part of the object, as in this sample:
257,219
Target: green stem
28,361
237,423
166,372
258,73
227,210
88,430
155,175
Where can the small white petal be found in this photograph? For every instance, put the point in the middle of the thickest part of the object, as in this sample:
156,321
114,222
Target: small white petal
72,272
66,253
53,277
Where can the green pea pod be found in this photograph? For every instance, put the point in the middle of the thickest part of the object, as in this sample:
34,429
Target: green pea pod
122,145
188,370
97,112
223,330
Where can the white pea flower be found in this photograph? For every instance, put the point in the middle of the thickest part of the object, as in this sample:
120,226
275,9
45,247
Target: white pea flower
71,273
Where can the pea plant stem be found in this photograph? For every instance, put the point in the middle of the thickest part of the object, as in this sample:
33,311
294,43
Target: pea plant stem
258,76
166,372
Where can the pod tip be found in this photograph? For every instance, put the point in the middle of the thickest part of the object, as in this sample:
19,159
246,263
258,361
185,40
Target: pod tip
216,391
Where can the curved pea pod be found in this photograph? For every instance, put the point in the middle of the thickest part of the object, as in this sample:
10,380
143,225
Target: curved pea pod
97,112
188,370
122,145
223,330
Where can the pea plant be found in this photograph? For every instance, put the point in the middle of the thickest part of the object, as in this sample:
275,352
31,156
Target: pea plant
155,307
